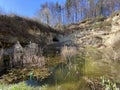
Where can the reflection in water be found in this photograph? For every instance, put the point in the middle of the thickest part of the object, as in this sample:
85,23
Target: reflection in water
33,83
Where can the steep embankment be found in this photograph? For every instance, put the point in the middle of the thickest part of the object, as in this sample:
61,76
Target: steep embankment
88,32
99,39
101,33
95,32
13,28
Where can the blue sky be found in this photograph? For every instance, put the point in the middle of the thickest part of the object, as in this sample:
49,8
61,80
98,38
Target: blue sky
24,7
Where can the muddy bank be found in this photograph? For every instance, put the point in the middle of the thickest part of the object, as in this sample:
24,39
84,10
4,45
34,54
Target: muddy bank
23,74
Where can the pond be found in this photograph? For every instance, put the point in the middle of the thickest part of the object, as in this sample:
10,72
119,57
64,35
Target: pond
77,74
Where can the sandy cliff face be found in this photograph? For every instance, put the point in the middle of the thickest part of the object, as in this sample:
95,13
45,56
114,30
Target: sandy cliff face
97,32
88,32
102,33
114,37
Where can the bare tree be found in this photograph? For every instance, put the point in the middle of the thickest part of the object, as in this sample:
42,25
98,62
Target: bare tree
58,13
75,10
68,6
44,13
76,4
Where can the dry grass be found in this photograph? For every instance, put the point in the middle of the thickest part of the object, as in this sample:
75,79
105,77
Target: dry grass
30,55
68,51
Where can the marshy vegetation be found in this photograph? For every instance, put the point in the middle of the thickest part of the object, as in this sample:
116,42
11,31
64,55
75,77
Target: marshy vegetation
70,70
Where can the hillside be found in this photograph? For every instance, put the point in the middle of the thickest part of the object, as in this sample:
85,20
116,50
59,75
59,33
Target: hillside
79,53
94,31
101,33
15,28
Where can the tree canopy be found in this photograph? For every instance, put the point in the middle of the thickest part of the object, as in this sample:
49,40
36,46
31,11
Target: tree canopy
73,11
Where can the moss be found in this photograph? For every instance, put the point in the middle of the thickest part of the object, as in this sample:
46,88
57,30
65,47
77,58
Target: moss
18,75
